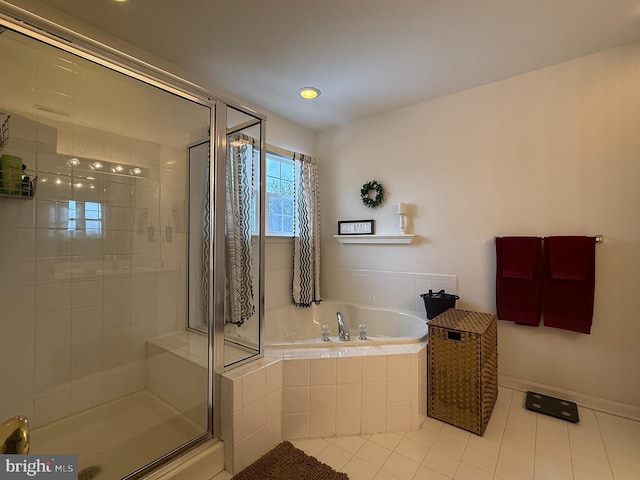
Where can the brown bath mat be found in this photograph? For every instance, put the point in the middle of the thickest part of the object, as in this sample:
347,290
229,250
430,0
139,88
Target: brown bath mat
286,462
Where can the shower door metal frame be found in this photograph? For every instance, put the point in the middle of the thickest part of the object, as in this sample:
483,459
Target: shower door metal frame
221,150
53,34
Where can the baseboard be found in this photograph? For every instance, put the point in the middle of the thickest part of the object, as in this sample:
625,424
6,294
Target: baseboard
607,406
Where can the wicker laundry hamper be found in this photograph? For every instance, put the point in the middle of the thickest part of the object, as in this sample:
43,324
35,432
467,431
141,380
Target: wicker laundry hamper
463,368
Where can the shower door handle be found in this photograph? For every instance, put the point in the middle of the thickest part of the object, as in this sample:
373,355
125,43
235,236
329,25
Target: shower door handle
14,436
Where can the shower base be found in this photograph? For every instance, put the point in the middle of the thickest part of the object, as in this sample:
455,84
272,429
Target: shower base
117,437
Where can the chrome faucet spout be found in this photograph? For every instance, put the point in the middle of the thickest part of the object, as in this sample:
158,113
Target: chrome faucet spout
343,328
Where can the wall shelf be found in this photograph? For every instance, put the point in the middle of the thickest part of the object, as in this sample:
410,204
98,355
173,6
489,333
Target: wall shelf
373,239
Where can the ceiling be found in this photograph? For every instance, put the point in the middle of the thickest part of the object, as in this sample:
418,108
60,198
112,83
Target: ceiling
366,56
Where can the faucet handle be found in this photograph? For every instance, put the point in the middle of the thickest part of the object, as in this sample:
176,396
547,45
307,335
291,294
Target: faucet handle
362,330
325,333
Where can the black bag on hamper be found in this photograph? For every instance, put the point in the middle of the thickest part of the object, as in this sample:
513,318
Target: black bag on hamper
436,303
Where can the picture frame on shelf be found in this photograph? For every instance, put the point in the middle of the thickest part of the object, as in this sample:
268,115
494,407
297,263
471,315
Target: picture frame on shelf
356,227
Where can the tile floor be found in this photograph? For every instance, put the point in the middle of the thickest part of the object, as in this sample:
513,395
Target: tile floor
518,444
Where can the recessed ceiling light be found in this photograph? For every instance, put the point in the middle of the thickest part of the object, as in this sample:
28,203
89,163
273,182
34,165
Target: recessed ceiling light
309,92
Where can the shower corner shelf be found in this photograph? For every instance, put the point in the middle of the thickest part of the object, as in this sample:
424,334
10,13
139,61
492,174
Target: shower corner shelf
377,239
25,192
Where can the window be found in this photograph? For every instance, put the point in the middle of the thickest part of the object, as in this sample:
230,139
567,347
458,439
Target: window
279,195
85,216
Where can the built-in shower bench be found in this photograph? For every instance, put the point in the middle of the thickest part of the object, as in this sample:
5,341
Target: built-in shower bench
177,372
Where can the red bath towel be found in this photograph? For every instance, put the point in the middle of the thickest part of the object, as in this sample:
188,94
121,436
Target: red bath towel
569,282
519,279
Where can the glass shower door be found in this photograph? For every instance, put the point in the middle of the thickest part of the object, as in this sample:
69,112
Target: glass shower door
94,281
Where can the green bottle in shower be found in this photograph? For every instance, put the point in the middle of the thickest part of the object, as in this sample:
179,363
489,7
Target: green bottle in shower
11,168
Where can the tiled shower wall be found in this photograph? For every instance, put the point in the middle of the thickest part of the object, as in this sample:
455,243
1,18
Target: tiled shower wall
79,304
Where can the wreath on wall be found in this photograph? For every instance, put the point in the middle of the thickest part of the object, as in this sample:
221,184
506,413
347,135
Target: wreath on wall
372,194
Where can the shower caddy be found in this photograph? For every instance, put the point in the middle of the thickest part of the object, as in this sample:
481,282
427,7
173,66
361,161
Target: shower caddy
28,183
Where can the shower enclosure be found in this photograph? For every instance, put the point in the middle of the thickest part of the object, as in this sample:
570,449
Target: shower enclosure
240,227
112,297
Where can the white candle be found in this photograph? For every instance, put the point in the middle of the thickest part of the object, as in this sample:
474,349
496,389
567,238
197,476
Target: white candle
402,208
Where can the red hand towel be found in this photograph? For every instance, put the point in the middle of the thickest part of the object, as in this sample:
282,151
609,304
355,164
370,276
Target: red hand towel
519,279
569,282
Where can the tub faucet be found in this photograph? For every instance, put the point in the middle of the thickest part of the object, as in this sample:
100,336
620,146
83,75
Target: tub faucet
343,329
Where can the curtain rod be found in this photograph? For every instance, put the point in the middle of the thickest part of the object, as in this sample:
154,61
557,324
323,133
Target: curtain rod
287,153
280,151
272,148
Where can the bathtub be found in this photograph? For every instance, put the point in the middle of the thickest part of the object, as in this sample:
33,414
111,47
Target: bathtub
291,326
365,386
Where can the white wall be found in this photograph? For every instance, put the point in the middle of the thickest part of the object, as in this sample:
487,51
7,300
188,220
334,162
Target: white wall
551,152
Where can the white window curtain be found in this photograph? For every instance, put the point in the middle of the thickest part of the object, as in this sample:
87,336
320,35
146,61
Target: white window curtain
305,288
240,171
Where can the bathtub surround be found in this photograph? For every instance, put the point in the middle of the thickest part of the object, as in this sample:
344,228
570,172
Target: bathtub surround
351,388
294,394
381,288
387,289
